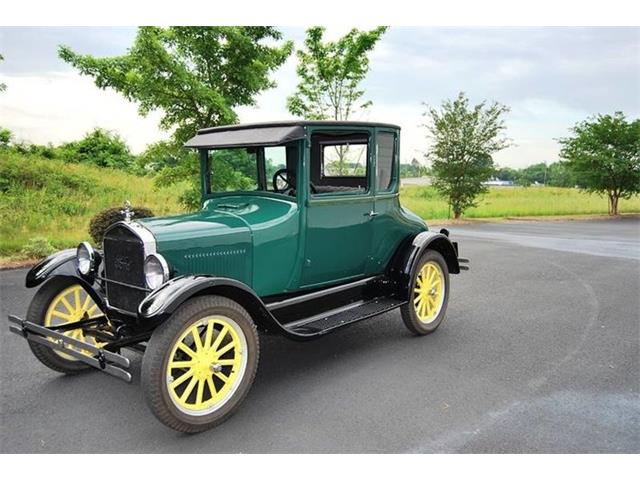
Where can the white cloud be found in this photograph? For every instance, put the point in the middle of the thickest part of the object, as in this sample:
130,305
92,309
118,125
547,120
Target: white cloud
60,107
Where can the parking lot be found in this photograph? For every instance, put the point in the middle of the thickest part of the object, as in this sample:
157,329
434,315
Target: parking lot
539,353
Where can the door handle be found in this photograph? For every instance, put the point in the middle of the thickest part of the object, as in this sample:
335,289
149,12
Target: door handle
371,214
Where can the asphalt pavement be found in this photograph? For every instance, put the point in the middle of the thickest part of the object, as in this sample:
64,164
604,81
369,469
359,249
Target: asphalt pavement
539,353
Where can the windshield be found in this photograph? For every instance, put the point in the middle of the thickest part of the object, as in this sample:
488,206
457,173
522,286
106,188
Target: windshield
247,169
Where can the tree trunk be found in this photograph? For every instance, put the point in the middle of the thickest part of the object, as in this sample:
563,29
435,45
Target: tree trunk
456,214
613,203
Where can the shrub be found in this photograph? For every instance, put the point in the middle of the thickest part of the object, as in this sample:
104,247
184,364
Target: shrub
38,247
108,217
101,148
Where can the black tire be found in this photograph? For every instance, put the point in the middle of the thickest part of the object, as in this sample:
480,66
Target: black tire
36,314
408,311
155,376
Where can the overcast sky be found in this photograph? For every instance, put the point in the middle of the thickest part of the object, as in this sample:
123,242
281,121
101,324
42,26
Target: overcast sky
550,77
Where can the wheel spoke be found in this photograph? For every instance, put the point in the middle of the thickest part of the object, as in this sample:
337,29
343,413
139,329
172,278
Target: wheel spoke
181,363
226,361
212,387
208,336
218,340
195,333
76,298
185,348
189,389
221,376
200,391
66,304
64,316
92,309
87,302
226,348
181,379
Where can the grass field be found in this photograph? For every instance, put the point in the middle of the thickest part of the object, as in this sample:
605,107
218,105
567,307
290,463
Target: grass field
55,200
503,202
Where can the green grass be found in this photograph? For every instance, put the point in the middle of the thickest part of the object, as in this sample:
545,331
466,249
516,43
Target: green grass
42,198
502,202
49,198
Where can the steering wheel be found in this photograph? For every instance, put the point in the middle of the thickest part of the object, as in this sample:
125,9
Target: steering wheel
285,179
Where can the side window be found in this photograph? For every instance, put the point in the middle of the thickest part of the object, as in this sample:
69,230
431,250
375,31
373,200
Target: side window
344,160
386,152
339,163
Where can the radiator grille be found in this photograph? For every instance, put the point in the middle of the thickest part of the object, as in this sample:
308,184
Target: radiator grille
124,262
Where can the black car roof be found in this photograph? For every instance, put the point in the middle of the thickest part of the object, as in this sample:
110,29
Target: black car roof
270,133
300,123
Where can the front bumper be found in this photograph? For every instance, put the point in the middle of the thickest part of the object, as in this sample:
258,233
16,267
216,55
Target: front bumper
99,358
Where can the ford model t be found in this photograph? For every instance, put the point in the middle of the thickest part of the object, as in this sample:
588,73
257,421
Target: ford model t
311,238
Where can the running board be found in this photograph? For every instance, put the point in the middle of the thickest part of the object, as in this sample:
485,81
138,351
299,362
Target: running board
328,321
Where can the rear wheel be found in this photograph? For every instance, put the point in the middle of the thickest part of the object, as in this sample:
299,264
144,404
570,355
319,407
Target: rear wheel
200,364
58,302
428,294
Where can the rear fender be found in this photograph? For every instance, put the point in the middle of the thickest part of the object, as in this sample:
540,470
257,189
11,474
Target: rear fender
406,259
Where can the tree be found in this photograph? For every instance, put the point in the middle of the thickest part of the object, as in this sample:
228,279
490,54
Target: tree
463,141
604,155
330,74
99,147
195,75
5,137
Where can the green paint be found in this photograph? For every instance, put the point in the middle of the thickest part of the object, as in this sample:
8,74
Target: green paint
277,244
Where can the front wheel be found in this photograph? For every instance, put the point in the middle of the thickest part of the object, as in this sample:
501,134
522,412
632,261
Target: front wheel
428,294
200,364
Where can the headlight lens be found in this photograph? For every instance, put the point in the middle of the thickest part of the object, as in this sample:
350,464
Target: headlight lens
156,271
85,258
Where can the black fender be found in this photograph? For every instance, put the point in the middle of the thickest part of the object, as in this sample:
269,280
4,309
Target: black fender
164,301
406,258
61,263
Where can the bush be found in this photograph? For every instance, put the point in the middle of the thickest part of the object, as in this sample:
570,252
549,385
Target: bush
106,218
99,147
38,247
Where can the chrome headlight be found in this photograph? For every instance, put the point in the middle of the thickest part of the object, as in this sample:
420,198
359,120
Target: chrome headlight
156,270
85,258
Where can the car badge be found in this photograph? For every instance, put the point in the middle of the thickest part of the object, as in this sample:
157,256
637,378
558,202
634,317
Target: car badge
127,212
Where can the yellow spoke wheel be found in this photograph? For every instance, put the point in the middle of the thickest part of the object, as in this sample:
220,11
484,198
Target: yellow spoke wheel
206,364
72,304
428,292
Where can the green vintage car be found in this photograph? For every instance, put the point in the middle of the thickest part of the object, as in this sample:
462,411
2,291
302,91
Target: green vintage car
300,233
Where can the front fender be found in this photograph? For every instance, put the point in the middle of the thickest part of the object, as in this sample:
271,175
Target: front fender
165,300
60,263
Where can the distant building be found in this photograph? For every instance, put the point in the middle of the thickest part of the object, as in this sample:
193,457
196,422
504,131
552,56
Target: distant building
498,183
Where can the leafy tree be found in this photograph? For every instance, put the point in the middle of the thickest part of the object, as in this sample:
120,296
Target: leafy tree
330,74
561,175
99,147
5,137
195,75
604,154
533,174
463,140
507,174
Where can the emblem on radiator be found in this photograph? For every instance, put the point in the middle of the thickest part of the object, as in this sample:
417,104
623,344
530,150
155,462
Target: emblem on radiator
122,262
127,213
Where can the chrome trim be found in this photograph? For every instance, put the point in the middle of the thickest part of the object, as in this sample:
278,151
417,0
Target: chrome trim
163,264
148,247
148,240
92,258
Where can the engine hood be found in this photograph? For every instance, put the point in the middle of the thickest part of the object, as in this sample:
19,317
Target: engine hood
219,239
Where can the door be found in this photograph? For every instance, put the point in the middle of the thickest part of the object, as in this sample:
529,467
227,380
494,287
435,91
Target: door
339,207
